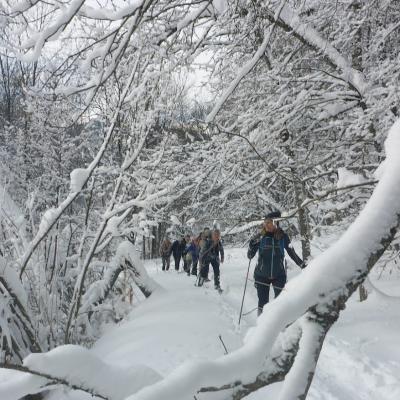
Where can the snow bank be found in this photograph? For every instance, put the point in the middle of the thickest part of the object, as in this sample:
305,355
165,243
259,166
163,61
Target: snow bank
82,368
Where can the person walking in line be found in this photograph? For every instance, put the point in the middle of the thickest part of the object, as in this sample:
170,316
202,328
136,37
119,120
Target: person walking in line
178,248
192,256
185,256
204,236
165,253
212,253
271,244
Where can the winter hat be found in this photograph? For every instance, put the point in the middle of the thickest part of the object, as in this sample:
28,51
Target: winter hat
273,215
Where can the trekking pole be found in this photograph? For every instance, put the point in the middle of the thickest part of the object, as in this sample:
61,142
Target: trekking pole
223,344
244,291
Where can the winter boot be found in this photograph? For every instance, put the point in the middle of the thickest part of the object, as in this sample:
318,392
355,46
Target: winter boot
216,283
200,281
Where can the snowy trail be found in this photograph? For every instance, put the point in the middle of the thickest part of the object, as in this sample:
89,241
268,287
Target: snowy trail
358,361
180,325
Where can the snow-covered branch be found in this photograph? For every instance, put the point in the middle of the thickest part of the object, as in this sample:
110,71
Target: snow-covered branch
78,369
289,20
247,67
127,258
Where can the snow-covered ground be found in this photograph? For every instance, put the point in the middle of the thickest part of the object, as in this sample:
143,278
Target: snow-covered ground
360,358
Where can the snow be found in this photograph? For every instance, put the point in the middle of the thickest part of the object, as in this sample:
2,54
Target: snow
82,368
316,40
48,219
191,221
10,275
183,323
326,274
8,208
189,320
174,219
79,177
37,41
246,68
109,14
220,5
348,178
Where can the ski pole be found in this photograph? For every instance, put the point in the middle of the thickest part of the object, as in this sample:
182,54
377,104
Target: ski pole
223,344
244,291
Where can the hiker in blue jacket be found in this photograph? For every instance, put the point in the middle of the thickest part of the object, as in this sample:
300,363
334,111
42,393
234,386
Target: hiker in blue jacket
271,244
192,256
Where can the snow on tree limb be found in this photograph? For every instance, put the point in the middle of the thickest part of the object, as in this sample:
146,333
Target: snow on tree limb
299,378
285,16
111,14
17,327
127,257
36,42
291,213
311,36
246,68
78,369
330,277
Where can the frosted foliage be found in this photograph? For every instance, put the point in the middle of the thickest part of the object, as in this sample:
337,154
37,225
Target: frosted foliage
123,123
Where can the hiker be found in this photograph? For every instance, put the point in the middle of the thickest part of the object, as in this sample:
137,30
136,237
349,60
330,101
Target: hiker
203,237
185,256
212,253
192,255
271,244
165,253
178,247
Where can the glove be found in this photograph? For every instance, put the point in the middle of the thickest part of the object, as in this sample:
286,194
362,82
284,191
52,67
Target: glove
253,242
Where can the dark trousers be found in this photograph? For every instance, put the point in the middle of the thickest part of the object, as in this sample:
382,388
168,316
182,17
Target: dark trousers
165,262
263,284
206,266
177,258
186,264
194,267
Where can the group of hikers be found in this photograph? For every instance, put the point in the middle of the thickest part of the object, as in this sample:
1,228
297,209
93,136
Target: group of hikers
207,248
203,250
